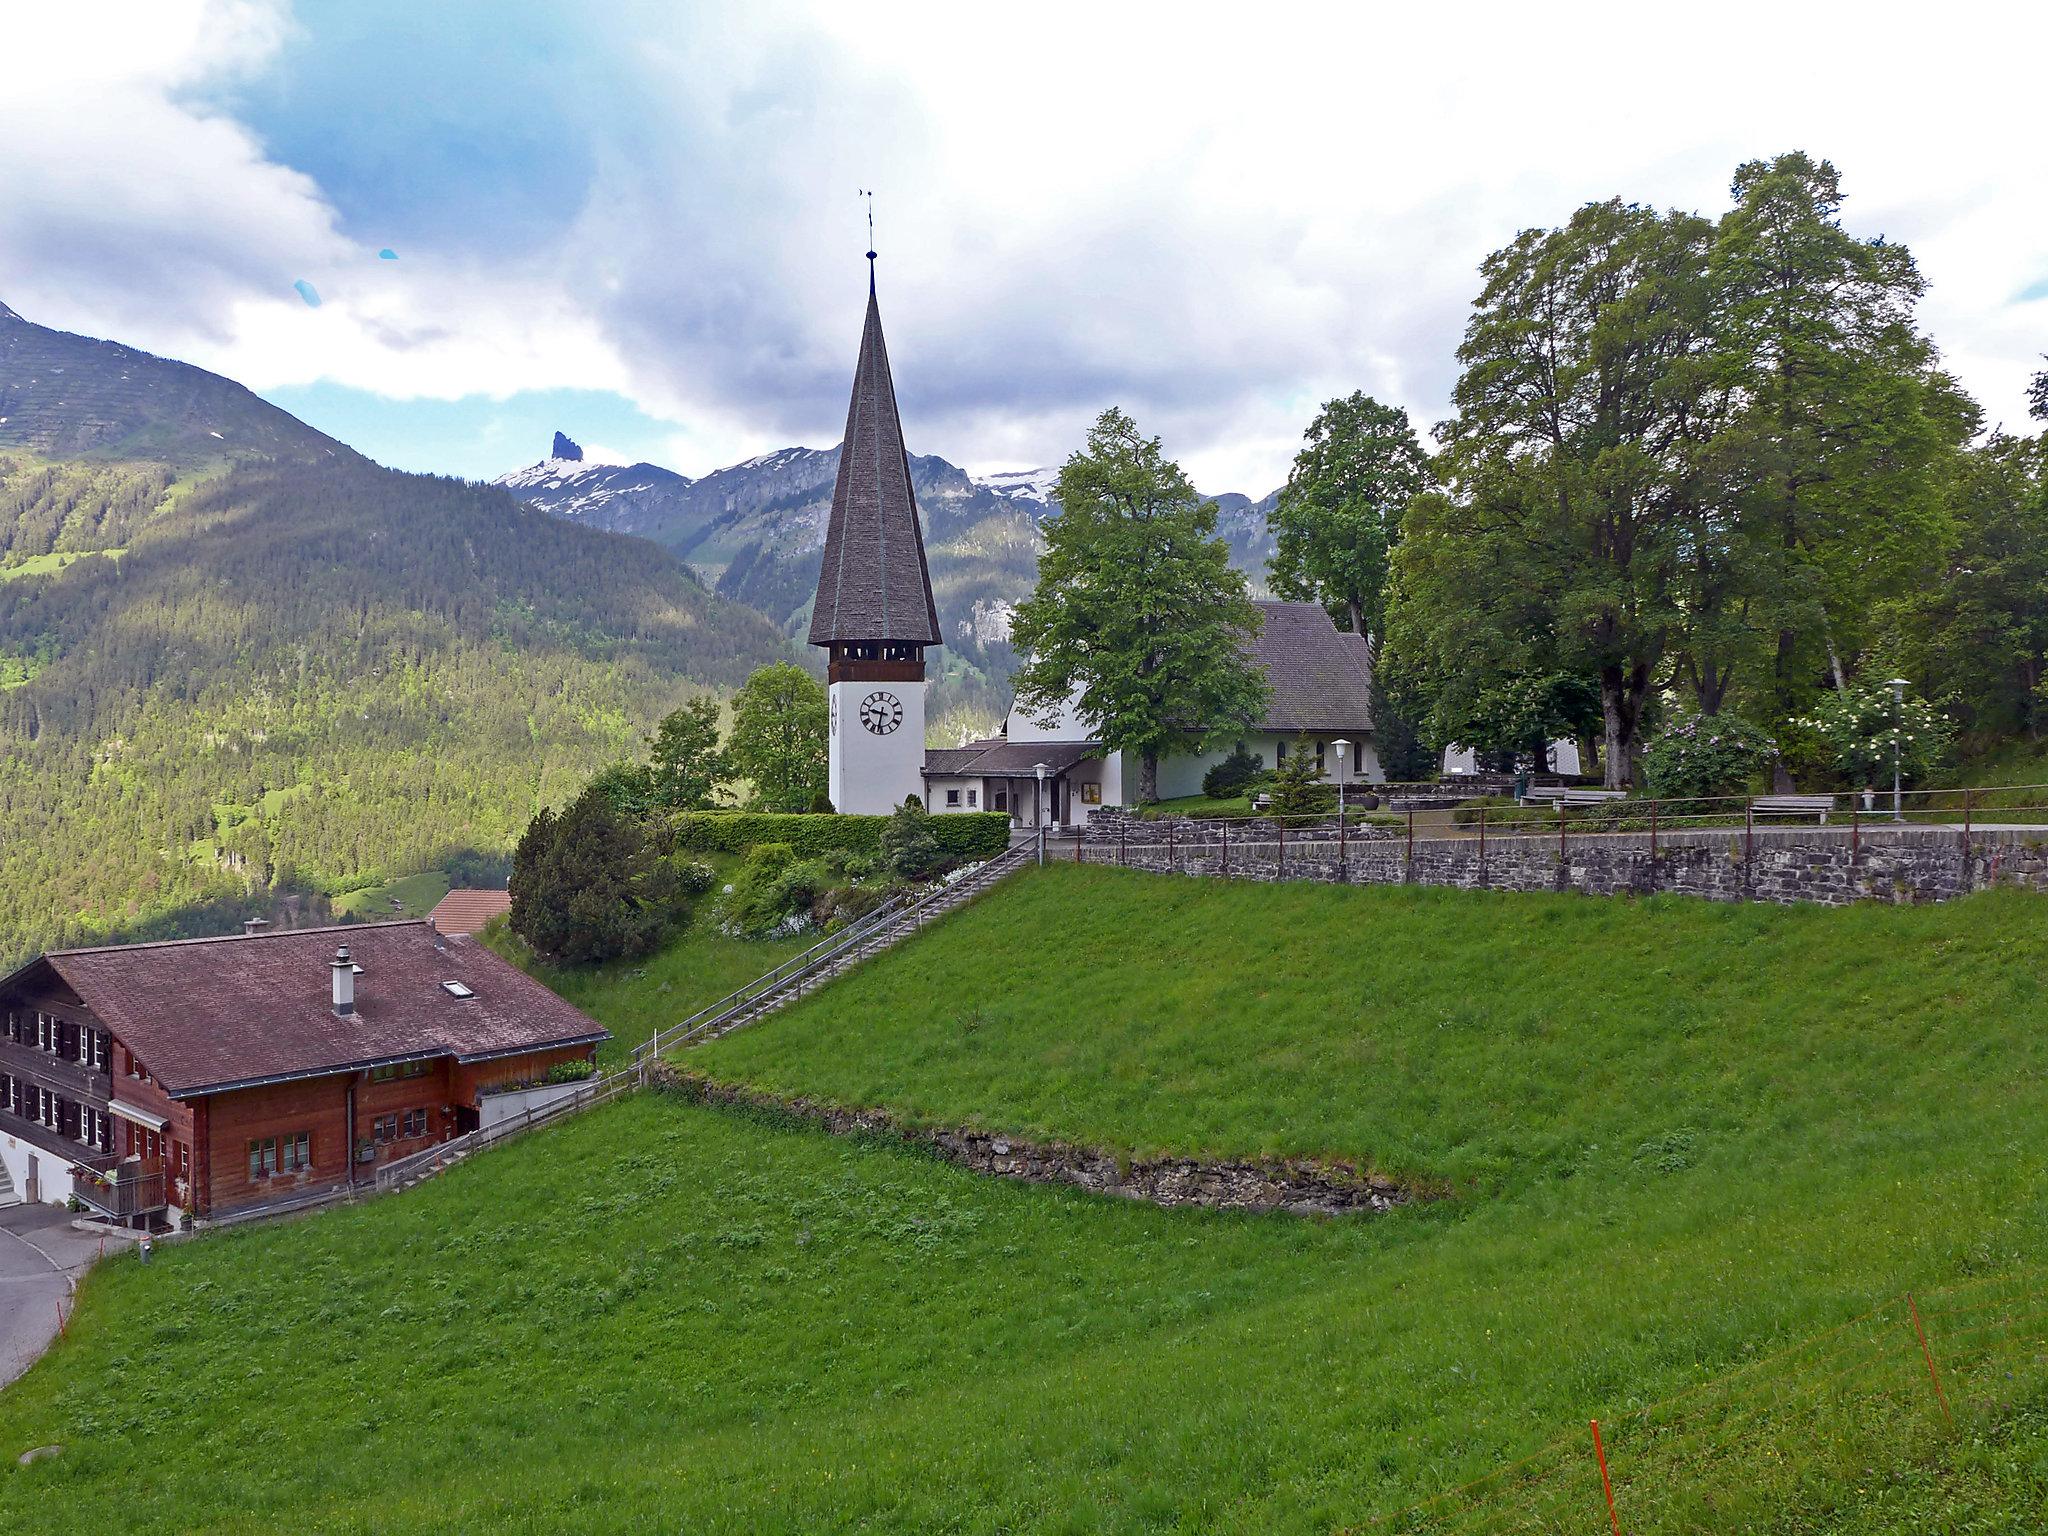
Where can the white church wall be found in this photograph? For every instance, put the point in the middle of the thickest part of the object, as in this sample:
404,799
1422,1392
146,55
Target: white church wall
955,795
1182,774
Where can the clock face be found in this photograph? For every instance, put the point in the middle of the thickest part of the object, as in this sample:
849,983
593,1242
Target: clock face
881,712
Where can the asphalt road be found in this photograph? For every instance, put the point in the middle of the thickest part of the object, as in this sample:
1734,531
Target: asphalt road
40,1255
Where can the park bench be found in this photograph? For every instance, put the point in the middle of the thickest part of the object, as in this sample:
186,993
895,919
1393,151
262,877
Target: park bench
1795,805
1562,798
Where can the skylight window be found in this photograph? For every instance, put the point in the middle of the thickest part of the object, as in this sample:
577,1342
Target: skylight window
456,989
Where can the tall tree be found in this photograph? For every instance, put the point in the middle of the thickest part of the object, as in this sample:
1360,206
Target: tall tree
1845,432
1137,610
1340,512
685,764
779,737
1979,636
1573,463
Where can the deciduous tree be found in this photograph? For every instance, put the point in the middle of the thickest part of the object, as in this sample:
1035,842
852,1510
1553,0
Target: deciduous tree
1137,614
685,763
778,739
1339,514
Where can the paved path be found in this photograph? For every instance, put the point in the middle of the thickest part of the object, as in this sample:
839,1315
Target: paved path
41,1256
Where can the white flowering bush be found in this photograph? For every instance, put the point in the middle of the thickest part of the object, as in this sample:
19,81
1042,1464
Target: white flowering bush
1702,755
1852,733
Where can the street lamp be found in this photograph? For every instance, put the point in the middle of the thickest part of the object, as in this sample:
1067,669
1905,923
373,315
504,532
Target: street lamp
1898,688
1343,750
1038,771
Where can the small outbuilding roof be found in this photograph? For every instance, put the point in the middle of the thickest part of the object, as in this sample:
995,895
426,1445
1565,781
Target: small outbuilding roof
210,1014
466,910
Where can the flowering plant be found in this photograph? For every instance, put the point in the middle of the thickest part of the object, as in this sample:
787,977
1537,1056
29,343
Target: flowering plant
1700,755
1854,731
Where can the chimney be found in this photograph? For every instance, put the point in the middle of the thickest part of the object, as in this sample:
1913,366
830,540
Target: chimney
255,925
344,983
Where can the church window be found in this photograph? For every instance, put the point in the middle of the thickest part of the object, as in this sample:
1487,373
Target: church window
973,798
952,797
1091,794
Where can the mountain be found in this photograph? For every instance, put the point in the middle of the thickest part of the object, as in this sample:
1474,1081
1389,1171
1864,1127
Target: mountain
74,397
755,532
238,659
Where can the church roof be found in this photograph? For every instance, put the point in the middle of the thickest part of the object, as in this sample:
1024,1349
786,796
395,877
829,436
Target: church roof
1318,674
999,757
873,584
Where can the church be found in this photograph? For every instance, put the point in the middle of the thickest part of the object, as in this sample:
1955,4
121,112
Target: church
875,618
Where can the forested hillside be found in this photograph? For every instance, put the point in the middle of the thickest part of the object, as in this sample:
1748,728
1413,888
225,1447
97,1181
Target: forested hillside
227,676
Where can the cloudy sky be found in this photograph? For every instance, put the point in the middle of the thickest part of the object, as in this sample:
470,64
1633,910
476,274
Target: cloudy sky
639,222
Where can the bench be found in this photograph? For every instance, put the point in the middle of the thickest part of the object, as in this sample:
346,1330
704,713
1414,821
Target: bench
1564,797
1795,805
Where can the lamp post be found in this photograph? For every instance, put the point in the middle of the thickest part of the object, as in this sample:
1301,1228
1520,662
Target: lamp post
1343,750
1038,808
1898,688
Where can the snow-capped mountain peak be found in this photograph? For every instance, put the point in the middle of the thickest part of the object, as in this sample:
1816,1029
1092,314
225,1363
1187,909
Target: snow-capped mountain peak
1021,484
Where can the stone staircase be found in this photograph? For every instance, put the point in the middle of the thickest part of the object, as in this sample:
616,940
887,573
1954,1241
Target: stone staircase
9,1195
832,957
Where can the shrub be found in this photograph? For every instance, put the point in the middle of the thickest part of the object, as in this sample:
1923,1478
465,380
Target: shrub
769,889
1298,789
971,835
1704,755
694,877
909,846
590,884
1850,734
1233,775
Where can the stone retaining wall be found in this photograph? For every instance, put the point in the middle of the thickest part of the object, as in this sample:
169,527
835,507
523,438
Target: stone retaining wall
1832,865
1298,1186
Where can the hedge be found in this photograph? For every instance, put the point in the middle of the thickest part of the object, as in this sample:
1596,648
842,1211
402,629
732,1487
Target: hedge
971,835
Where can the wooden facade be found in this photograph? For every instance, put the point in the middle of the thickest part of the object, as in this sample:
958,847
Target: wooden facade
82,1113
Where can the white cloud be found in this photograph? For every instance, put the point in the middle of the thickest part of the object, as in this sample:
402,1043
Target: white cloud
1212,218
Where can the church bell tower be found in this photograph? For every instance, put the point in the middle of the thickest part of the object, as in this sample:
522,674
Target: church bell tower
874,613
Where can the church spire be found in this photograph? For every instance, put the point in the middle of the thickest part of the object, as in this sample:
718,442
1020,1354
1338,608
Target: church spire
872,583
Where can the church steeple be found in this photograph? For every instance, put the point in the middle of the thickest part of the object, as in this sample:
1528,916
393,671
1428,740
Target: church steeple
873,586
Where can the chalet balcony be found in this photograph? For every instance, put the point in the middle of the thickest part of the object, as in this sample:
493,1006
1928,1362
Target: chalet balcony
119,1188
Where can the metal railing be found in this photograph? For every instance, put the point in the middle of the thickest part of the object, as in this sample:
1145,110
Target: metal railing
862,935
586,1095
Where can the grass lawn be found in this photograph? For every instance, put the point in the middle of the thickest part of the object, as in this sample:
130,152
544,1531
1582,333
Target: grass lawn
632,998
1679,1136
416,895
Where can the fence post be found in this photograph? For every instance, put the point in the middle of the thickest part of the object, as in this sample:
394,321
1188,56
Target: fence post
1606,1484
1560,831
1653,845
1077,846
1855,829
1927,1354
1969,865
1482,844
1281,872
1224,828
1748,838
1408,870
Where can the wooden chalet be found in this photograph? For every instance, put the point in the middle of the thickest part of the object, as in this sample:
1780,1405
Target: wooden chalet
217,1075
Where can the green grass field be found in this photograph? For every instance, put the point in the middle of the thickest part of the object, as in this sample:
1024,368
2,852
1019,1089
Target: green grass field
1678,1137
415,895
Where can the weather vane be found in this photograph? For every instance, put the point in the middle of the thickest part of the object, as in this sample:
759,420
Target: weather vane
870,196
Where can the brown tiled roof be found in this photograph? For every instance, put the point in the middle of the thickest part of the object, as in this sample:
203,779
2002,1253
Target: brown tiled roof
464,910
207,1014
1318,674
872,584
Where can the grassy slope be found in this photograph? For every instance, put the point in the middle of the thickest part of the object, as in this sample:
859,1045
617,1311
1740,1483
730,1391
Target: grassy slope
633,998
1682,1134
